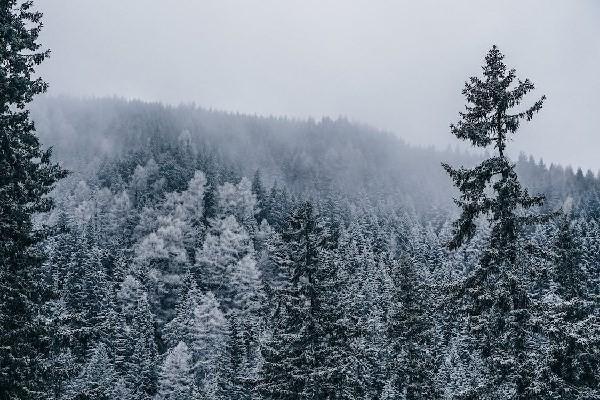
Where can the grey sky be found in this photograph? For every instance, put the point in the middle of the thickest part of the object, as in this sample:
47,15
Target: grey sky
396,65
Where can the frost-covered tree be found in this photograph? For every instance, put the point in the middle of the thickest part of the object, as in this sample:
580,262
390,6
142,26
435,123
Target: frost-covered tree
410,330
240,201
27,178
496,291
226,244
201,323
248,297
261,197
134,339
176,379
97,377
297,361
85,294
141,374
364,296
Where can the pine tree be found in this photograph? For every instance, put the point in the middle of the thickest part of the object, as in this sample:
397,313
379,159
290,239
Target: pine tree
176,379
261,197
239,201
200,322
96,379
496,291
134,339
26,179
363,294
410,330
225,245
85,294
141,373
296,363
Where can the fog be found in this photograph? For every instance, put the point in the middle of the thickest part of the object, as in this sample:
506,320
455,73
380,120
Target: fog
399,66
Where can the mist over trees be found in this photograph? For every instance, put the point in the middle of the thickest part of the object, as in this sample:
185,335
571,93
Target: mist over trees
194,254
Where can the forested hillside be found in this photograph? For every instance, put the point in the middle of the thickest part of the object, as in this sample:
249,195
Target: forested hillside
209,255
151,252
307,157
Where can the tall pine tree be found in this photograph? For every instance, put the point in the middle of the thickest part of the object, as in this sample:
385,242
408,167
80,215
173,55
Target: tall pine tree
27,177
495,293
303,355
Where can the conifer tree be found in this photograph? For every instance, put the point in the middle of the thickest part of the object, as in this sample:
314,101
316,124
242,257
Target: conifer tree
496,291
96,378
225,245
261,197
142,372
410,332
295,357
27,177
176,379
200,322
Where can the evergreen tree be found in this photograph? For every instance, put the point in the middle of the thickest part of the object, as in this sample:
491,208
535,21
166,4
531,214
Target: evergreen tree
96,379
296,363
201,323
410,330
225,245
26,179
261,197
176,379
141,374
85,294
496,291
239,201
364,295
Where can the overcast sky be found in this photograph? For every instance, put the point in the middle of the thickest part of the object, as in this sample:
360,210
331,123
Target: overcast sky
396,65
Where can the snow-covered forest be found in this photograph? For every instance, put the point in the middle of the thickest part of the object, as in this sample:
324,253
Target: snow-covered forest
196,254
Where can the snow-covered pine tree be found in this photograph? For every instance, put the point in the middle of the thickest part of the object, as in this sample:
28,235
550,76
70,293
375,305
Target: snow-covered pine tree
410,331
297,363
85,293
201,323
496,291
27,177
96,379
240,201
363,296
261,197
226,243
142,373
133,339
176,378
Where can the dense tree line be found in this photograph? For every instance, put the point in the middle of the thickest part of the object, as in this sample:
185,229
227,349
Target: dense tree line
157,299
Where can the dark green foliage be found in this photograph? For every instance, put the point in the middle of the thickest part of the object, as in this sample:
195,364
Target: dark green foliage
27,177
489,120
295,353
410,329
261,197
495,295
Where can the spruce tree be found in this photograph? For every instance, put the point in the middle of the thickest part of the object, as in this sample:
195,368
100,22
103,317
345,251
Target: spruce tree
97,377
27,177
176,379
410,330
261,197
495,292
296,365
